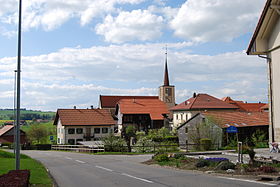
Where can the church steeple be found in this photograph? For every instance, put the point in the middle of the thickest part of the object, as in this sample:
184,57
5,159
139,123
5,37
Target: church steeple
167,91
166,77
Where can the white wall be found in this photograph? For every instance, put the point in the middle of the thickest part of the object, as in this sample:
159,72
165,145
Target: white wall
273,42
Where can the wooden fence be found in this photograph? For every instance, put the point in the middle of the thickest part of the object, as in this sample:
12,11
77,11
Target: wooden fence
79,148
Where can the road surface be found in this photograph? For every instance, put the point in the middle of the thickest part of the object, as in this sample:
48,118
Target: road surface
84,170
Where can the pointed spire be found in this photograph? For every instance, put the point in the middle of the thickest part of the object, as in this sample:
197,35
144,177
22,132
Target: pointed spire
166,78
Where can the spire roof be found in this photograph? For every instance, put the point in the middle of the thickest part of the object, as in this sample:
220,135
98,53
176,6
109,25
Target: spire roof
166,77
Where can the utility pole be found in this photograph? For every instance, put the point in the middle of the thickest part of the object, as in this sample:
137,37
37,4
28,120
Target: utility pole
18,91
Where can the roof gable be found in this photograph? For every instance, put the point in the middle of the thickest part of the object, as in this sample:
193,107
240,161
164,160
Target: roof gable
110,101
84,117
203,101
6,129
154,107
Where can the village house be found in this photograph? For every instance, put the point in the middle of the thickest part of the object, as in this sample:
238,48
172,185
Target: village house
78,125
265,43
144,114
7,134
245,123
198,103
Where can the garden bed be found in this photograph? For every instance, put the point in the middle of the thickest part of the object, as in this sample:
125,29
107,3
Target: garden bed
214,165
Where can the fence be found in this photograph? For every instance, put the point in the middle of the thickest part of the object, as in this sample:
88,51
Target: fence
79,148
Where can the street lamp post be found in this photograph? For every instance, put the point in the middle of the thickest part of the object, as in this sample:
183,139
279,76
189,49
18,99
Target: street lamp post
18,91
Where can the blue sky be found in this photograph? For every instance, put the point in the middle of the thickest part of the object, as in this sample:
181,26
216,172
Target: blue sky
73,51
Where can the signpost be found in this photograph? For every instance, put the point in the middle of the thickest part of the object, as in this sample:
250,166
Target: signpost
232,129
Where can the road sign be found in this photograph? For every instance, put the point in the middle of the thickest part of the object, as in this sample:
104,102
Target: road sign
231,129
51,138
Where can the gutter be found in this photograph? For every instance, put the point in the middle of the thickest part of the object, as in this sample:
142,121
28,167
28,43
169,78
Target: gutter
270,94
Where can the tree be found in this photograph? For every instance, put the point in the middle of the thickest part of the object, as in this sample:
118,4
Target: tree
127,133
37,133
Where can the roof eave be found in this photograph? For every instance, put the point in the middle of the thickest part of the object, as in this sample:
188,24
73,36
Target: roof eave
251,48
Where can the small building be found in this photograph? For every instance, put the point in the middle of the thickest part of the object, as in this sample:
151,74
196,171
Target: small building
7,135
246,123
78,125
198,103
144,114
265,43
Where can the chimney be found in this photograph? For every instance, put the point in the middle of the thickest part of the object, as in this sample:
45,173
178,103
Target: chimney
75,107
91,106
194,95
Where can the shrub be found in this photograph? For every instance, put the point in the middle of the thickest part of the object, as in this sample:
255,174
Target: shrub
161,157
205,144
225,165
267,169
202,163
179,156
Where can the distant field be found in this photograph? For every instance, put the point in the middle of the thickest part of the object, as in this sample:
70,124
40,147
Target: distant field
26,115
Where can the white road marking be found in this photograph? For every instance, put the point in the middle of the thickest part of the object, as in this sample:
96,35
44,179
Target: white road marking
68,158
103,168
145,180
80,161
246,180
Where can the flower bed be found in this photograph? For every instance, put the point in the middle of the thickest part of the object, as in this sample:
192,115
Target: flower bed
15,178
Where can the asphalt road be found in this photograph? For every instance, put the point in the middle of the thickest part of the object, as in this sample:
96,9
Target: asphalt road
83,170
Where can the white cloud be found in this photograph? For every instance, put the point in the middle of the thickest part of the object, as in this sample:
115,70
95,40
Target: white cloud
50,14
72,76
135,25
216,20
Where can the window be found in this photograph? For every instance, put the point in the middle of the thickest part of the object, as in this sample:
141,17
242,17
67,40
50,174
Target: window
96,130
79,130
186,130
71,141
104,130
71,131
168,91
58,140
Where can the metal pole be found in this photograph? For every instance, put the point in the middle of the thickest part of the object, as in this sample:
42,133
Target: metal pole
18,92
15,87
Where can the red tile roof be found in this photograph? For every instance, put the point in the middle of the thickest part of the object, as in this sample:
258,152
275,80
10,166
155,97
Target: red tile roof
154,107
247,107
239,119
5,129
84,117
110,101
203,101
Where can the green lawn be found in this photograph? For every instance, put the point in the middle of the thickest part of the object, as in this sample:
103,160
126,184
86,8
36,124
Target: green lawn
39,175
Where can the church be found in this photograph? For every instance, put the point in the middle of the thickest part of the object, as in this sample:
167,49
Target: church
142,112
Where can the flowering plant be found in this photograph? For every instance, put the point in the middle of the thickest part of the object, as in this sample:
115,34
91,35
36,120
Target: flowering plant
217,159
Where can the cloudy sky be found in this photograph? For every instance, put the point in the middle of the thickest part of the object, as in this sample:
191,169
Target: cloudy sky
75,50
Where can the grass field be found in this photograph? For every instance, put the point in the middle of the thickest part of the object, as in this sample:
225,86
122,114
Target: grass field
8,114
39,175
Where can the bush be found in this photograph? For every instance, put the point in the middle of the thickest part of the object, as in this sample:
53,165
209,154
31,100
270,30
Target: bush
202,163
225,165
113,143
179,156
205,144
161,157
267,169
